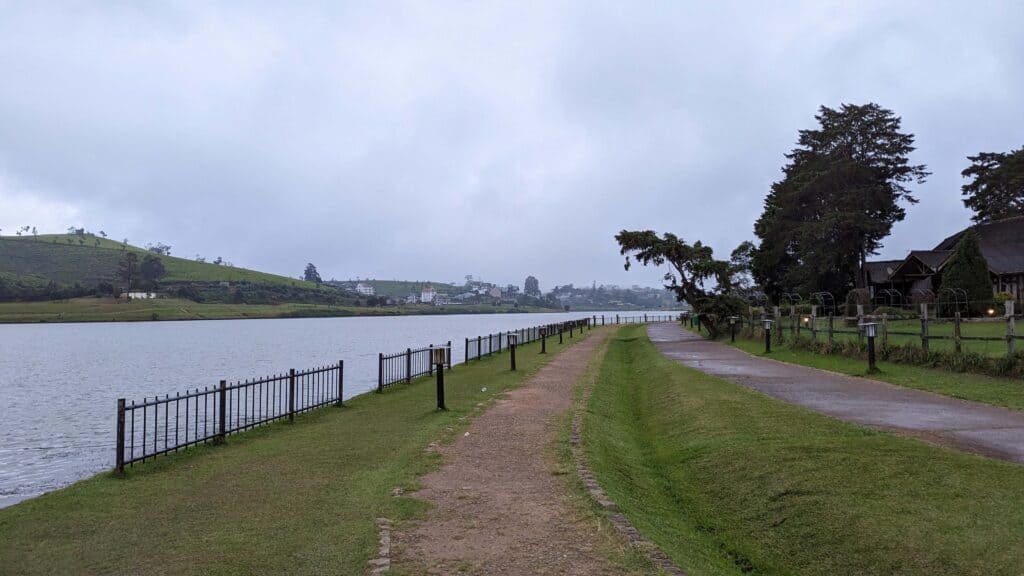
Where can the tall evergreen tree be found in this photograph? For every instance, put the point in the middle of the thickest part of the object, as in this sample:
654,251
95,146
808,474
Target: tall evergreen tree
842,190
997,187
968,271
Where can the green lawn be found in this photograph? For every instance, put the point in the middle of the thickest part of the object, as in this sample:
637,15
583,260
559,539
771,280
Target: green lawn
1008,392
284,499
910,333
729,481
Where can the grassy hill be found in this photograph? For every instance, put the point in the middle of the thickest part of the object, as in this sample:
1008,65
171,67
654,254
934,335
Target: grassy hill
64,259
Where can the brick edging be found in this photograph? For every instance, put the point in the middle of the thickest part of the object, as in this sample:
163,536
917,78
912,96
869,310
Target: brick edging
617,518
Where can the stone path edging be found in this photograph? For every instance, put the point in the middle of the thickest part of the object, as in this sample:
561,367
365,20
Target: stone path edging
617,518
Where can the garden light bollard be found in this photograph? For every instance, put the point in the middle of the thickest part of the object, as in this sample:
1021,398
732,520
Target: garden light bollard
870,331
543,340
439,357
513,339
732,327
767,336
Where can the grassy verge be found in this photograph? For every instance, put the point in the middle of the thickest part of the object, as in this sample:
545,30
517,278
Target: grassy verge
284,499
1007,392
611,545
729,481
111,310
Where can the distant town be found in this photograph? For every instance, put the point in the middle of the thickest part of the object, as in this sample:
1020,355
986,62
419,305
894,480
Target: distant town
475,291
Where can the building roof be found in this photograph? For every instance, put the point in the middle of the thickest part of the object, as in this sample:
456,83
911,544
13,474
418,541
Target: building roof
880,271
1001,241
933,259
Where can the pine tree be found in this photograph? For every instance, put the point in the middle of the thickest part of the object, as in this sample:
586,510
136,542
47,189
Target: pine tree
997,188
967,271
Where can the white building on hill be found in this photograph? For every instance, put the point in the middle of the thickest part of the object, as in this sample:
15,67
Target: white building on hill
428,294
365,289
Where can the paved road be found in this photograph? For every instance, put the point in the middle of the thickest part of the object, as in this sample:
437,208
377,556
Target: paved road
980,428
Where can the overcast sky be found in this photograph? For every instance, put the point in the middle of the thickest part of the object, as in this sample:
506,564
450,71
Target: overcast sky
432,140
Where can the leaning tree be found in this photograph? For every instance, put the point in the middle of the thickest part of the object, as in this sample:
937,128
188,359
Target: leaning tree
696,277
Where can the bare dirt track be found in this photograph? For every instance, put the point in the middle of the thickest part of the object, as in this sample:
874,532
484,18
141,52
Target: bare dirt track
499,508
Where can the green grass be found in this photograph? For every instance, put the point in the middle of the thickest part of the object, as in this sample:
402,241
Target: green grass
284,499
97,259
402,288
111,310
1007,392
730,481
994,327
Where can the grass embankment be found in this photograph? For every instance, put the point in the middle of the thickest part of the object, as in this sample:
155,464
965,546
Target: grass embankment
284,499
729,481
1007,392
112,310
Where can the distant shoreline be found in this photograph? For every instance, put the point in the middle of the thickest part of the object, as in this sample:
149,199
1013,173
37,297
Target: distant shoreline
90,310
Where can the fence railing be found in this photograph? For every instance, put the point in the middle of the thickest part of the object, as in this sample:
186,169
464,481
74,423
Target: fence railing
924,330
404,366
604,320
160,425
482,346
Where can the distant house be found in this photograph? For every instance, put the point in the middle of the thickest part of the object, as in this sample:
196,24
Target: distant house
412,298
365,289
919,275
494,292
428,294
140,295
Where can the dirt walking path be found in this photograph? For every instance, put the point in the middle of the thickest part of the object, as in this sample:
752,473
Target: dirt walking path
971,426
499,508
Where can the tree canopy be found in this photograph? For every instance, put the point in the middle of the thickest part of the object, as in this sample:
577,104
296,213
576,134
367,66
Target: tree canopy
532,287
310,275
696,277
968,271
996,190
841,192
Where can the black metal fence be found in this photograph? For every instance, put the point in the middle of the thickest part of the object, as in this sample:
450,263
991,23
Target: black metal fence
404,366
482,346
160,425
604,320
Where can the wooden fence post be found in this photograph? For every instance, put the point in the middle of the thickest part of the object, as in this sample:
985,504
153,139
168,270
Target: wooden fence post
778,323
831,323
956,332
1010,335
924,326
885,331
814,322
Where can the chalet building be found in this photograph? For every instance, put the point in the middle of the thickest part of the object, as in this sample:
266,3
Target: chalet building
918,277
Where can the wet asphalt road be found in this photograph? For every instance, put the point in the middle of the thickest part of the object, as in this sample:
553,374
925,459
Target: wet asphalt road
971,426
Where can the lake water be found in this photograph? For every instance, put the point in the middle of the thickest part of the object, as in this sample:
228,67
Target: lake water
59,382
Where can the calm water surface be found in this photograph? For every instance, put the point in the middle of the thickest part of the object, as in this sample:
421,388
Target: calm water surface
59,382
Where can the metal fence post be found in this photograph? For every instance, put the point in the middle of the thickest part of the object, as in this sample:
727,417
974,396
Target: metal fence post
408,365
291,395
222,412
448,354
341,382
466,361
120,436
430,368
380,372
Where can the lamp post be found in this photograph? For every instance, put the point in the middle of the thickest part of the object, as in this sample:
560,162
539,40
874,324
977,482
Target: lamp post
439,360
512,341
870,331
732,327
767,335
